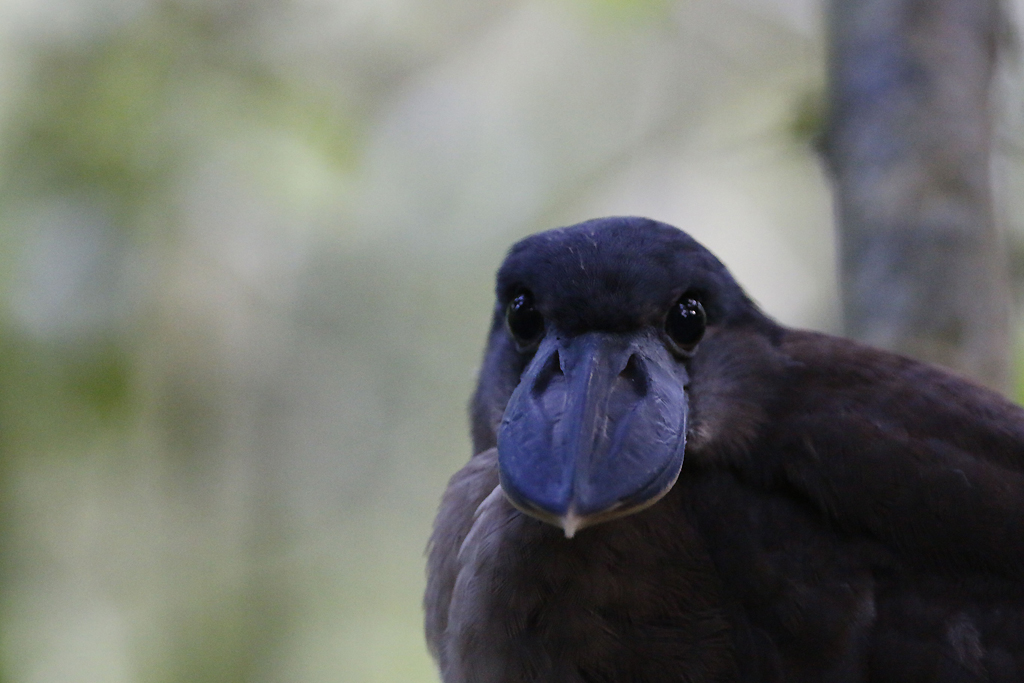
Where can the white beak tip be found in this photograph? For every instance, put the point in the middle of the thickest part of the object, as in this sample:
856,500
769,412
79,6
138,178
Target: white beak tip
571,523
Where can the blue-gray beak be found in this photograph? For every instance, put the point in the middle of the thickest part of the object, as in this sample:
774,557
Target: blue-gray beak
596,428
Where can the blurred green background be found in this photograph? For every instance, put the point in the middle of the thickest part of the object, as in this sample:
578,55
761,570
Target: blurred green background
246,250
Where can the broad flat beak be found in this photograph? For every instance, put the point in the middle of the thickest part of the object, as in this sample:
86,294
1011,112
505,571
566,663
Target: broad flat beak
596,429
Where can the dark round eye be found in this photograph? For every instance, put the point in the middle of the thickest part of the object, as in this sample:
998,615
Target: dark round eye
686,322
524,322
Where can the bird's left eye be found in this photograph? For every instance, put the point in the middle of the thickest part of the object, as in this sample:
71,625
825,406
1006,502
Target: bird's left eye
686,322
524,321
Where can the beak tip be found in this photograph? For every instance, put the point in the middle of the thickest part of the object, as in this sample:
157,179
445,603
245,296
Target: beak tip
571,523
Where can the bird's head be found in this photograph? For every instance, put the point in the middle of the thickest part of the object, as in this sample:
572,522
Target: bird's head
586,379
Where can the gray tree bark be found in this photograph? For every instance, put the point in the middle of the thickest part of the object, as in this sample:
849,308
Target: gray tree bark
922,267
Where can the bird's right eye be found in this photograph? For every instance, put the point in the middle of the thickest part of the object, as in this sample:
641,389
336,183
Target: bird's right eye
524,321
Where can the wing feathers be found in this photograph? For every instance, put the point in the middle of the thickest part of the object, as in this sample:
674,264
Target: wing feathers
466,491
933,468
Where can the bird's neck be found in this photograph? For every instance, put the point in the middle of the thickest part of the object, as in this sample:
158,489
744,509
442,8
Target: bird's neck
603,596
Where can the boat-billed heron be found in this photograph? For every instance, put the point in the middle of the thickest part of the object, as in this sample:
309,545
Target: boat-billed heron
668,485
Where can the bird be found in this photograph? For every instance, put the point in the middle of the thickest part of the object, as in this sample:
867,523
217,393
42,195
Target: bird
669,485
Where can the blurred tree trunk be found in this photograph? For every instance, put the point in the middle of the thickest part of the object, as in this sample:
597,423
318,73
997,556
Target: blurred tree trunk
922,269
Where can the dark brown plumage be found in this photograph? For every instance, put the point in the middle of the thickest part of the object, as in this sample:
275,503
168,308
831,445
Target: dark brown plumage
841,513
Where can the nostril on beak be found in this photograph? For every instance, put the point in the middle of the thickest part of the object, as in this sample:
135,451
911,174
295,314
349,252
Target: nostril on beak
552,369
636,375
